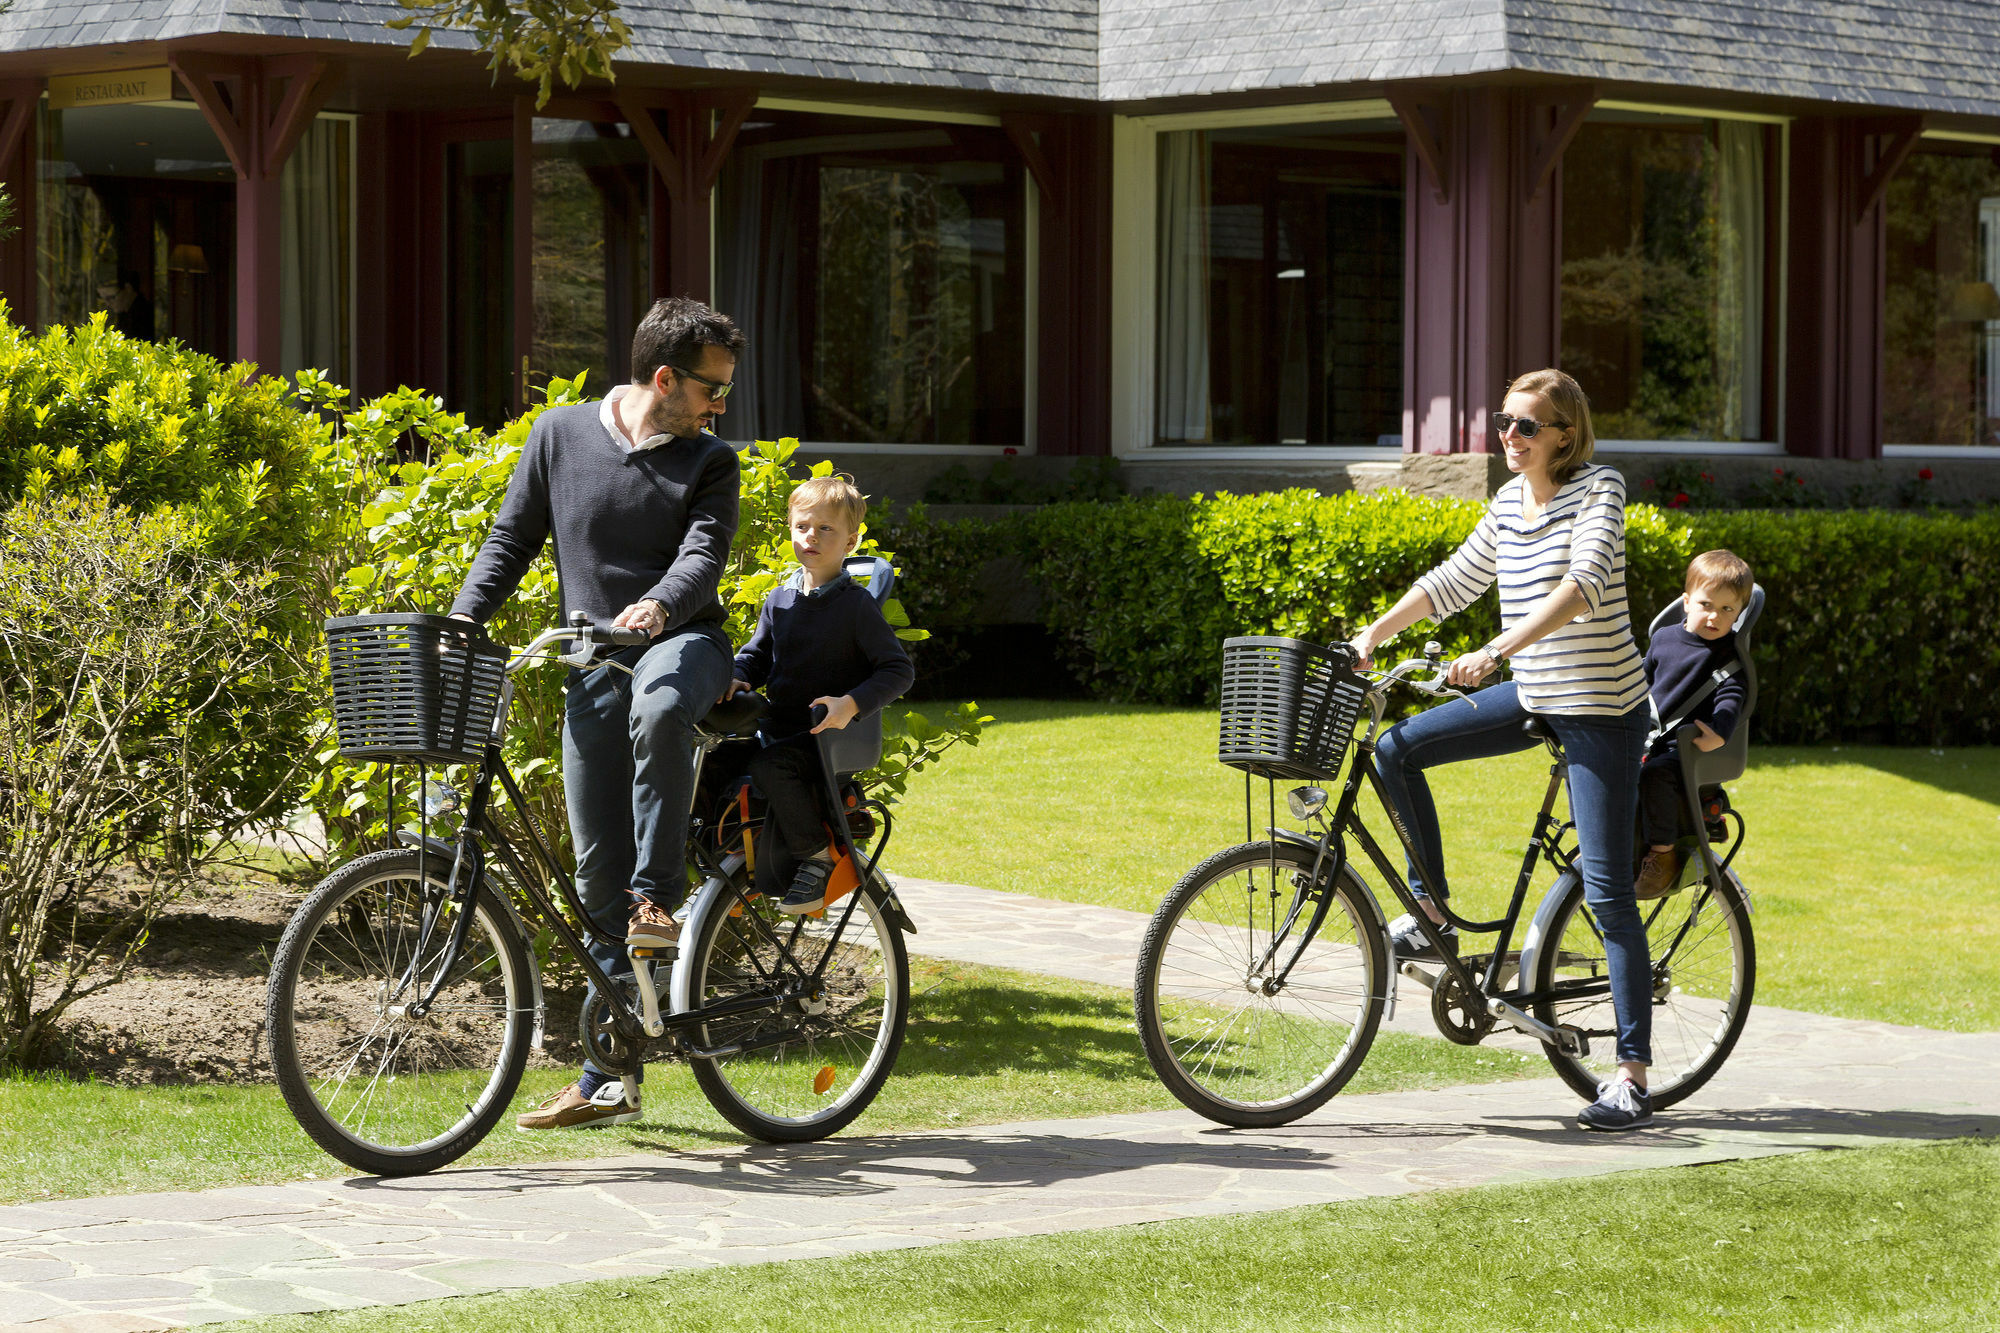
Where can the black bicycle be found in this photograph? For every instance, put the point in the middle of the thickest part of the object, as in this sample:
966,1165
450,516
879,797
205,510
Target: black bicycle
1265,973
405,997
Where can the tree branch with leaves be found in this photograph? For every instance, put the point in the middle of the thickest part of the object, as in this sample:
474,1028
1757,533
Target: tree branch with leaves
539,40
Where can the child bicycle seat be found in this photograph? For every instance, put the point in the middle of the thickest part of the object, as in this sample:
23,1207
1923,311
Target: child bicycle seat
1701,769
857,747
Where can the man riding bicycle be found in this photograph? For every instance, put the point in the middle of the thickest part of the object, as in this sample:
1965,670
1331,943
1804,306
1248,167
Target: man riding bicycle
641,501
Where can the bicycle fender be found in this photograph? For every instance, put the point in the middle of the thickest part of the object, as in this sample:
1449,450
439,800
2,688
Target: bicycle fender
712,896
439,847
1540,926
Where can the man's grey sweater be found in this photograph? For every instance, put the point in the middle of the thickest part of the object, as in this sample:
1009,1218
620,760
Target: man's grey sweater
628,525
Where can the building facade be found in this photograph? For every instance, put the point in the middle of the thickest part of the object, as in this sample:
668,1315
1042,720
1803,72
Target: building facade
1229,243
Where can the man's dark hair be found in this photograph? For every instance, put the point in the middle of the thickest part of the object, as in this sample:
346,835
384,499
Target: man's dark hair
673,333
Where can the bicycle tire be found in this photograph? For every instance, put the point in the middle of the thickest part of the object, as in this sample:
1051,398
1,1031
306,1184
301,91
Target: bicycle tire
380,1091
1703,981
1197,1000
780,1090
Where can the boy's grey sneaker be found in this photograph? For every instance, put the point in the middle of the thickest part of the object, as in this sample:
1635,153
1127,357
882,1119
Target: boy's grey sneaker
1620,1104
1407,939
808,891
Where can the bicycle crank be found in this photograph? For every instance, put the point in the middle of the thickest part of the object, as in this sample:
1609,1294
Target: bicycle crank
1460,1014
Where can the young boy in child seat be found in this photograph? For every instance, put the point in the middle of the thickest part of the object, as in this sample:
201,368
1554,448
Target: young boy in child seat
1679,663
824,643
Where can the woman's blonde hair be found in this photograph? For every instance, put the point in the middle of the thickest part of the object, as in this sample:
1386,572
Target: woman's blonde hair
1566,396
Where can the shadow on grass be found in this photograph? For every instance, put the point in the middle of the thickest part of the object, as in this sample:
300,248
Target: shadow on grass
1969,771
970,1029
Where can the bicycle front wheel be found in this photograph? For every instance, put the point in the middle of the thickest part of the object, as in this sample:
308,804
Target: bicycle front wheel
1704,965
382,1090
803,1065
1223,1032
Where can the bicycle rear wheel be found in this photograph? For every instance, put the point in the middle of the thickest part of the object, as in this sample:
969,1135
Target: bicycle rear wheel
1704,971
804,1066
1219,1030
382,1091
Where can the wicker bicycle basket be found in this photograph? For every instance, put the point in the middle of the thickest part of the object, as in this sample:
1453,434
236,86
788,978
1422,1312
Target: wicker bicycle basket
1288,708
413,687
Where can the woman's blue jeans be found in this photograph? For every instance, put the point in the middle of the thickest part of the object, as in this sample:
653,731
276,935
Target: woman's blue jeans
1603,754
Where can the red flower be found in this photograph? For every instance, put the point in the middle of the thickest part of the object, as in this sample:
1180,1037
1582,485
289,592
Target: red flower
1799,481
1010,451
1647,483
1923,474
1708,476
1778,472
1680,499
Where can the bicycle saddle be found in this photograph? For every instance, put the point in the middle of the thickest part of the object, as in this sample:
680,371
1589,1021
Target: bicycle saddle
1538,728
739,716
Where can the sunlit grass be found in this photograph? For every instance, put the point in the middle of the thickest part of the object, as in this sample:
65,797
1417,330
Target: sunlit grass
1870,867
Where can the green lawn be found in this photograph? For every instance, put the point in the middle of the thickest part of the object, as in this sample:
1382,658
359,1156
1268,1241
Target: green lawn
1871,867
1897,1238
985,1046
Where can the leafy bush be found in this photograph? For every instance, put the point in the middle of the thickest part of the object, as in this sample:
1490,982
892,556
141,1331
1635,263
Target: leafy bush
421,535
120,642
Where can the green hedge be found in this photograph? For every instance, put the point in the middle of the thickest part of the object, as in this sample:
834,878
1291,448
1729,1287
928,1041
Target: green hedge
1876,626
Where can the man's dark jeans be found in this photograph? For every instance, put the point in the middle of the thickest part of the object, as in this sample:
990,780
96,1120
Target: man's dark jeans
1603,755
628,776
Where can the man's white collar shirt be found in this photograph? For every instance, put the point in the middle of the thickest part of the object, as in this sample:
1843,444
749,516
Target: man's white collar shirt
607,414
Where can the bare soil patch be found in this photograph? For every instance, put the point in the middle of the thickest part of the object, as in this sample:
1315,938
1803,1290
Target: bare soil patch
191,1009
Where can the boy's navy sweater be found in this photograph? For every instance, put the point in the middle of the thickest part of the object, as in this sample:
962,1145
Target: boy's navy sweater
1678,664
627,525
830,641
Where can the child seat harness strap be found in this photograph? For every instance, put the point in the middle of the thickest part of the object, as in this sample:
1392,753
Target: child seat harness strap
1713,683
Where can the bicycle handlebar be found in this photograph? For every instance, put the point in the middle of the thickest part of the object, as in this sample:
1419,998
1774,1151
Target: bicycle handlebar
585,638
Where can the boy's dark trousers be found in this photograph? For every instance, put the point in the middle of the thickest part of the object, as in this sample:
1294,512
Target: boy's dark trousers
789,775
1660,800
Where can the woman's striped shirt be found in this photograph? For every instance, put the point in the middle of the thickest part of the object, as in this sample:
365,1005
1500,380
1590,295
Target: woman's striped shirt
1591,664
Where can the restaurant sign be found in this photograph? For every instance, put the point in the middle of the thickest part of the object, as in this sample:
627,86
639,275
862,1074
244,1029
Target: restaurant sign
112,86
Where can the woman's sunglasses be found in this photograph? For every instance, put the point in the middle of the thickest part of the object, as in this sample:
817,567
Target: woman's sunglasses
1529,427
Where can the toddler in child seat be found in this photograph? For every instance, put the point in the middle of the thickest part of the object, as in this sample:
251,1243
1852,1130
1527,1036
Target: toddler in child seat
1679,663
825,644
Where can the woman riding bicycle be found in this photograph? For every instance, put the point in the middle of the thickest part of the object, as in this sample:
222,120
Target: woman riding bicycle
1554,539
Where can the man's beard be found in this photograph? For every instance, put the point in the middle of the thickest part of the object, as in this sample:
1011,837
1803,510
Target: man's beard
662,419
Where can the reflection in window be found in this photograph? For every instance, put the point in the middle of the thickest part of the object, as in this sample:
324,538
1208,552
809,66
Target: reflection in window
1941,311
1281,285
1666,275
879,270
590,250
136,215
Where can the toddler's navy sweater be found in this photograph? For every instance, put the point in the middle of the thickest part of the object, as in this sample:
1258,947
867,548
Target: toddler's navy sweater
1678,663
832,641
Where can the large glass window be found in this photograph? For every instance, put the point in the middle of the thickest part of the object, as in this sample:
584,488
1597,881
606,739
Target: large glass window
1280,285
590,250
479,279
1941,340
1668,273
137,216
879,269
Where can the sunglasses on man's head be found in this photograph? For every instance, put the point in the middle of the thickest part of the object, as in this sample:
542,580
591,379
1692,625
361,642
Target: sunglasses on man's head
1529,427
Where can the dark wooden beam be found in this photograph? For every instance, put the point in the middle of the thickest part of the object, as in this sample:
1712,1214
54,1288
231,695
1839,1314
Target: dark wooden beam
639,115
1902,133
1570,112
735,107
306,89
1021,133
1429,142
20,115
202,74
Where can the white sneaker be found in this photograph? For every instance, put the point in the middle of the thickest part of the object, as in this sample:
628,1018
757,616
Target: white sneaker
1407,939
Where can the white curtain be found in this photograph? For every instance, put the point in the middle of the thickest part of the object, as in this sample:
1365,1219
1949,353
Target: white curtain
1183,287
760,276
313,253
1740,295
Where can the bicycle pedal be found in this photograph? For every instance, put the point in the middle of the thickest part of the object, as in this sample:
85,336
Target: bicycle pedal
671,951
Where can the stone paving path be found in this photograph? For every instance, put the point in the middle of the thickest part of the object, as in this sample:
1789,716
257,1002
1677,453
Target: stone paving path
153,1261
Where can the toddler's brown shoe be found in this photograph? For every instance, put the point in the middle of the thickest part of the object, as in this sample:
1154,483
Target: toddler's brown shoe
651,928
1657,874
570,1109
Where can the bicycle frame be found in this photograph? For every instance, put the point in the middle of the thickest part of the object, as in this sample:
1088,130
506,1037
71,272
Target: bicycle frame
480,830
1545,840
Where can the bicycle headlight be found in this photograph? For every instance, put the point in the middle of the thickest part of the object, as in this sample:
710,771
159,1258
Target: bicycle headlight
439,799
1305,802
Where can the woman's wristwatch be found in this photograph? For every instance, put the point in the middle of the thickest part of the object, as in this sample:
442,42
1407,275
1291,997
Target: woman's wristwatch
1493,654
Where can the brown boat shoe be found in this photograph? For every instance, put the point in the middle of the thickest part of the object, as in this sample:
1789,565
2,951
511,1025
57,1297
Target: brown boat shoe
1657,874
570,1109
652,928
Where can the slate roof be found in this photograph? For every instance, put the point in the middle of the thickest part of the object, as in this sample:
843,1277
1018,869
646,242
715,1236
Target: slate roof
1938,55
